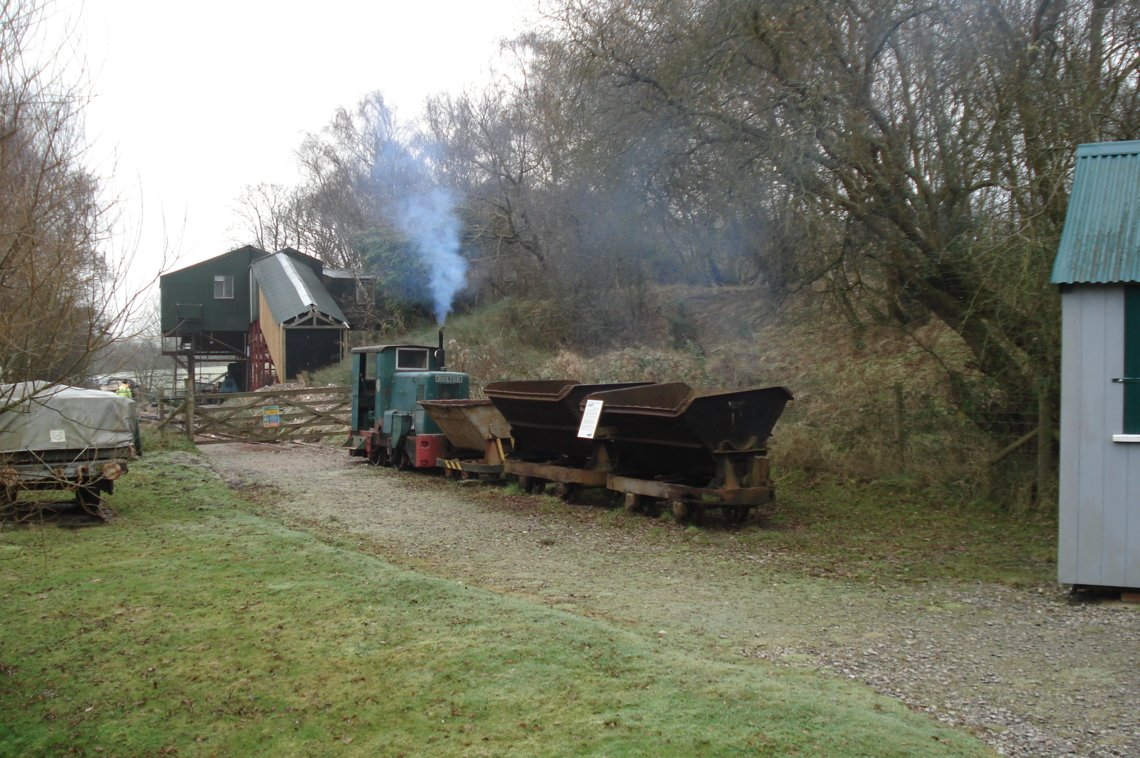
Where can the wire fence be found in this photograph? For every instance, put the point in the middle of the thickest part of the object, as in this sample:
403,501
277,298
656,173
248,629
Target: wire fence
1004,456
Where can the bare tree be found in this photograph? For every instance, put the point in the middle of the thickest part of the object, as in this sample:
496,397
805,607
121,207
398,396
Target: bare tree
271,216
927,146
61,296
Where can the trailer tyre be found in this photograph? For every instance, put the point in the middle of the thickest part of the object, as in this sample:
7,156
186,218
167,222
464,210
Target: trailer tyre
88,498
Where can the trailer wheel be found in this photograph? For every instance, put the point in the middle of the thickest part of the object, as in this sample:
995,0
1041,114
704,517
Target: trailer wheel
89,499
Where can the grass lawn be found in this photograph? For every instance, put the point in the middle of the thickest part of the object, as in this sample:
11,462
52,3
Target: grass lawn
193,625
879,532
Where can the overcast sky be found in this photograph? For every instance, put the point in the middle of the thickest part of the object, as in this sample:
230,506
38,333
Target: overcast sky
194,101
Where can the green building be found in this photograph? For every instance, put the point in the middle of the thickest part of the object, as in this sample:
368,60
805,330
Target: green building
267,316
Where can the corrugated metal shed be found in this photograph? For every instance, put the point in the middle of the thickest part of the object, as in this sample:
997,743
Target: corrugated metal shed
292,289
1100,243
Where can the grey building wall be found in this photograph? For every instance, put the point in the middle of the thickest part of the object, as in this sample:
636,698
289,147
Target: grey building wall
1099,477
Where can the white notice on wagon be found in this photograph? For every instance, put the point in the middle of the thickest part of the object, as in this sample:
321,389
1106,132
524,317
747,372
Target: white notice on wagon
590,418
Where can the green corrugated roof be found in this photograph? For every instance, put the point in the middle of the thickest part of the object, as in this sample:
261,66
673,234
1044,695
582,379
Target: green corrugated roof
1100,243
291,288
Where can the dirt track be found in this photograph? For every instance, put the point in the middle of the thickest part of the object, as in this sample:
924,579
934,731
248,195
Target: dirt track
1026,670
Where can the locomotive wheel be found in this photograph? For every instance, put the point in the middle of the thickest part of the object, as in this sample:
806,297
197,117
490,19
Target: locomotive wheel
403,462
525,484
633,502
567,491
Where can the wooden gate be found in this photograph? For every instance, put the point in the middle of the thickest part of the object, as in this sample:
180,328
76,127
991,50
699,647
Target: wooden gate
265,416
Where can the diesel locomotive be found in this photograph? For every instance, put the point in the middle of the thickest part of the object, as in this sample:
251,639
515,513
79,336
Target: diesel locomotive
389,384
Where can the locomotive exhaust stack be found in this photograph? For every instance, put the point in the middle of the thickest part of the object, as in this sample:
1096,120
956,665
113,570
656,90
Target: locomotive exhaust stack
440,356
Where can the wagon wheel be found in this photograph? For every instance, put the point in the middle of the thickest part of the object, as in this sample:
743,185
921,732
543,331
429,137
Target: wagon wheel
681,510
736,514
688,513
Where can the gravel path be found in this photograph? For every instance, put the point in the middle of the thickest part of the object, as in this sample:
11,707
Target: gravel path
1026,670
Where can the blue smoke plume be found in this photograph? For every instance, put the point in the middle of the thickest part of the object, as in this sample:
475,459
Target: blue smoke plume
429,220
425,214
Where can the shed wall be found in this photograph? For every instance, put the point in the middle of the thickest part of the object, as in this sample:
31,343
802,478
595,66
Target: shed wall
274,336
191,290
1099,478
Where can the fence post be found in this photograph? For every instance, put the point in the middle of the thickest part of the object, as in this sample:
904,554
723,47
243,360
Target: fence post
160,402
1044,441
190,410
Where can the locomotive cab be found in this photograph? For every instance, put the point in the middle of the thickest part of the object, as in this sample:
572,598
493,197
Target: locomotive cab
388,423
